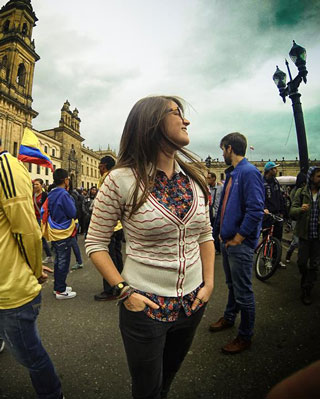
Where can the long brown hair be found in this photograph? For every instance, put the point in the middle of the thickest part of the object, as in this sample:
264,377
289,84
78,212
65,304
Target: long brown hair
144,137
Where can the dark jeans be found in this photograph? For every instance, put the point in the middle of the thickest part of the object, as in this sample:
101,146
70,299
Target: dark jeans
116,256
76,249
19,330
44,243
155,349
237,264
61,263
215,235
309,250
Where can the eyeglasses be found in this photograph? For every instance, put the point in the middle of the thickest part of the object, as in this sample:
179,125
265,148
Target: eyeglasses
179,110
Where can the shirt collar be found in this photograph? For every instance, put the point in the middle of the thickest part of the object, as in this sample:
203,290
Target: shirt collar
177,169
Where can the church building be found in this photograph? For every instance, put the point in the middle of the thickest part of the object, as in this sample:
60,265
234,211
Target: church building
64,143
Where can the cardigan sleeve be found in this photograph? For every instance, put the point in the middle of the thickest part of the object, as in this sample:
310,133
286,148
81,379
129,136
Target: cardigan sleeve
107,210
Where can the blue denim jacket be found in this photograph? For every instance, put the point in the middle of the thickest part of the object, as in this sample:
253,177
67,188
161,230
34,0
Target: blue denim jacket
245,205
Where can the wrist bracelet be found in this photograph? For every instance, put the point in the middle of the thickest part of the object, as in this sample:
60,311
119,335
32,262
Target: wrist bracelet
123,291
124,296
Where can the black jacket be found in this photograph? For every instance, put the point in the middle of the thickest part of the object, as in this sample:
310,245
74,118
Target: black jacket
274,200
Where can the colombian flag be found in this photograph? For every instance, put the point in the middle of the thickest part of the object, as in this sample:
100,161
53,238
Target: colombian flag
30,150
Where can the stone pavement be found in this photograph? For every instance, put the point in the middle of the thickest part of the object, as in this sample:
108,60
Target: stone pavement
83,340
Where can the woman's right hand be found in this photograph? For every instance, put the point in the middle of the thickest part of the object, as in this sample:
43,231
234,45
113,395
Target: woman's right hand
137,302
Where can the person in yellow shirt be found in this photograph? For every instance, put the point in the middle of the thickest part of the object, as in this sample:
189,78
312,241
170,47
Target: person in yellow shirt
21,275
106,164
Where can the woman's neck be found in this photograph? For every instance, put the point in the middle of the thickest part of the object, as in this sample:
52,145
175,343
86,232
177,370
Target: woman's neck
165,163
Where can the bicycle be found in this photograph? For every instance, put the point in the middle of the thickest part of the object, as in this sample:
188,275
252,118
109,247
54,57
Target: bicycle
268,252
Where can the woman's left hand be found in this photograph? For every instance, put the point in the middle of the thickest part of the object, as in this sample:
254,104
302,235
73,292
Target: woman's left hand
203,296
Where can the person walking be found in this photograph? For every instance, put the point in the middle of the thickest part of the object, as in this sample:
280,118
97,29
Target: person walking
74,238
162,202
239,221
300,182
274,202
305,209
59,226
21,273
115,246
215,191
39,197
87,206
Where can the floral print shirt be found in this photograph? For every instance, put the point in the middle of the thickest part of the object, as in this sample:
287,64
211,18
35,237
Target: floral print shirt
177,196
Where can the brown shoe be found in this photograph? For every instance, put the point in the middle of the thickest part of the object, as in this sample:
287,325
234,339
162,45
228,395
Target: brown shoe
236,346
104,296
220,325
306,296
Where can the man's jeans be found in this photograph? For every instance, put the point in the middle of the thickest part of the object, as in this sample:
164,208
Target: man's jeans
44,243
18,329
237,264
61,263
76,249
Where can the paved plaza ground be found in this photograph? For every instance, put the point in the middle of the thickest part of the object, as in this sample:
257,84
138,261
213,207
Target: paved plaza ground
84,342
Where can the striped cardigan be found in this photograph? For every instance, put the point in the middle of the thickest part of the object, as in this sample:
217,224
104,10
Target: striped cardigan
163,255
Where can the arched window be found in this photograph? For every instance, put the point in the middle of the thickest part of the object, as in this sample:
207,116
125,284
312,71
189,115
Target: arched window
24,29
21,76
4,61
6,26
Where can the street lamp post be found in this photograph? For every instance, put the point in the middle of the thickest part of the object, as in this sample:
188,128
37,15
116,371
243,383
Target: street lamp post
298,56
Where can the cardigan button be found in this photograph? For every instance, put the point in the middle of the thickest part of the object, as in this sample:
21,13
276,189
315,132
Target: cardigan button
179,290
181,243
182,259
182,227
181,275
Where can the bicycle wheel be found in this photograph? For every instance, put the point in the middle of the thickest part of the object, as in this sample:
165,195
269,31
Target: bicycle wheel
267,260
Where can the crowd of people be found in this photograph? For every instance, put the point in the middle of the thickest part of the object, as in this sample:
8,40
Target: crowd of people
174,218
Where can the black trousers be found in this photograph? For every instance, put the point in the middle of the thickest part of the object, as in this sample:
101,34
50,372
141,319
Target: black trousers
116,256
155,350
308,261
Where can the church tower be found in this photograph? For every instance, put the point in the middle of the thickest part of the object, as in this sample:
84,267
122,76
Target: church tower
17,62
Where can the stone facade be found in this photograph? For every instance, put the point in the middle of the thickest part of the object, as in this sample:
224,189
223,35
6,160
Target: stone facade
17,61
89,167
286,168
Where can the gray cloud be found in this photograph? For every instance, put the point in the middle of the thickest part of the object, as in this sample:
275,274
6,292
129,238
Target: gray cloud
215,51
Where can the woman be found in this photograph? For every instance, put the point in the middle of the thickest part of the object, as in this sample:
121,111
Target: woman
39,196
168,274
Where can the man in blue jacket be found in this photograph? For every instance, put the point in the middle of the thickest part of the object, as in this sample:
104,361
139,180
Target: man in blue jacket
60,230
239,221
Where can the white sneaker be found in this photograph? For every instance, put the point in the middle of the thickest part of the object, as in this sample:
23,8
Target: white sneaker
66,294
48,259
282,265
68,289
2,344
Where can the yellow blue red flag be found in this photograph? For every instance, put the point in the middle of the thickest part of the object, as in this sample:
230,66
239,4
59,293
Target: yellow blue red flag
30,150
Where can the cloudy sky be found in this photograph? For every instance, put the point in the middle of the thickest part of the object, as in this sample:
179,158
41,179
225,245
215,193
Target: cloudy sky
219,55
